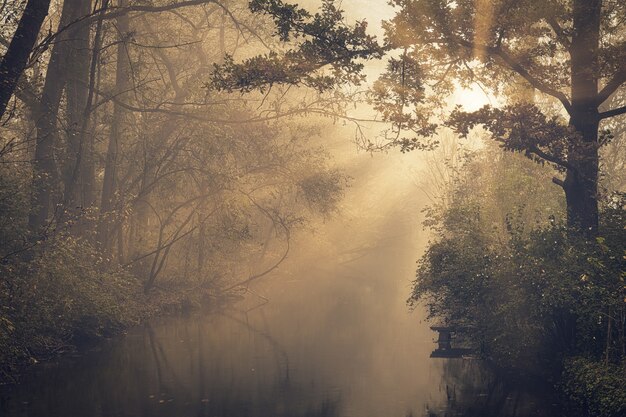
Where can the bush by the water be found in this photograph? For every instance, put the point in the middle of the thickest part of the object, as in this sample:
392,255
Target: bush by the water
65,295
531,294
595,386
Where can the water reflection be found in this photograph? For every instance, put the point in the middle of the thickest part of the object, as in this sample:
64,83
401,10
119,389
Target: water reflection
473,390
231,365
332,337
180,367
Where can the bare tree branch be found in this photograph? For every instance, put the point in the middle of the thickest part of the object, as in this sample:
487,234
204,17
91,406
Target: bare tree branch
558,30
613,113
618,79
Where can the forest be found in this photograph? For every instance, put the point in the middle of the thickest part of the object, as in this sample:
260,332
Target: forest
169,157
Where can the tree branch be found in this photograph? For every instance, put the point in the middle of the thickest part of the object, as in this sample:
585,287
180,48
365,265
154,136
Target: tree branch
558,30
112,13
550,158
558,182
118,11
207,119
618,79
276,221
613,113
515,66
15,60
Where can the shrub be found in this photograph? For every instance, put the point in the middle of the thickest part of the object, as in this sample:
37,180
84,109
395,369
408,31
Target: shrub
595,387
66,294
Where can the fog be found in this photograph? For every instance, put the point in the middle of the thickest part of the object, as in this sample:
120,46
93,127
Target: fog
331,208
329,328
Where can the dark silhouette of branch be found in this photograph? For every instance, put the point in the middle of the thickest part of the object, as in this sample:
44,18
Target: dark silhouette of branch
202,118
618,79
558,182
550,158
612,113
558,30
112,12
515,66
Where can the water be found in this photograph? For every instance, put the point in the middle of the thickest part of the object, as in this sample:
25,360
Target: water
328,334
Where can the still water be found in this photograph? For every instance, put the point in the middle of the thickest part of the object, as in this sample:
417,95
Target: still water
328,334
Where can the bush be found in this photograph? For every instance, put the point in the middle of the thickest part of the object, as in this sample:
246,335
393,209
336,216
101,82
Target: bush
531,299
595,387
529,291
65,295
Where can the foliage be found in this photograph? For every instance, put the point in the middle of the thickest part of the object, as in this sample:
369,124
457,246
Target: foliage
324,191
125,186
520,128
323,39
442,45
570,52
528,291
14,202
64,296
595,386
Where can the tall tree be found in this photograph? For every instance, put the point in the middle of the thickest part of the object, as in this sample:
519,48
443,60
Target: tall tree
79,83
122,91
14,61
45,167
571,51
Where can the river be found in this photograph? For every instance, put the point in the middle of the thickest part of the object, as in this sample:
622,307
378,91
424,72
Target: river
327,334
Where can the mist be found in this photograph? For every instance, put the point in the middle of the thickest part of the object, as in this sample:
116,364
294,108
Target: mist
346,209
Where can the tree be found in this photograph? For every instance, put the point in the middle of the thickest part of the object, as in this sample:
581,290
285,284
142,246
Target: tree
45,181
570,51
14,61
120,173
122,86
531,292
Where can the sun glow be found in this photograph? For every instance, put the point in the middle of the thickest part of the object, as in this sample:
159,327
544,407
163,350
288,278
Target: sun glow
471,98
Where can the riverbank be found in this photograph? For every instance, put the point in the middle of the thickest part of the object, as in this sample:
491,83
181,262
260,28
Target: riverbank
19,354
67,297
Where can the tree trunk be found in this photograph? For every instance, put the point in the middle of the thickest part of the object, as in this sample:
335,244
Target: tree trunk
15,60
122,87
80,189
45,175
201,248
121,254
609,331
77,91
581,181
